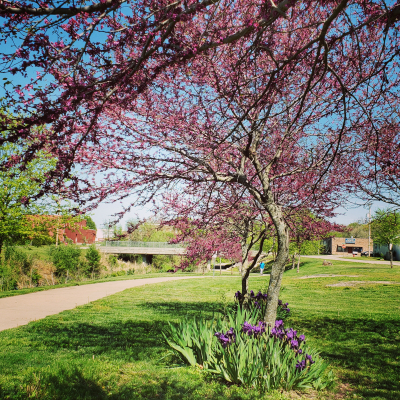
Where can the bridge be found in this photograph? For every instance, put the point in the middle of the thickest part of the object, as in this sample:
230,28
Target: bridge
146,249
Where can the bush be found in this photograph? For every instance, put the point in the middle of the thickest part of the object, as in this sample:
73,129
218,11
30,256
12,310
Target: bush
43,241
65,258
112,261
118,273
16,265
93,257
240,349
9,276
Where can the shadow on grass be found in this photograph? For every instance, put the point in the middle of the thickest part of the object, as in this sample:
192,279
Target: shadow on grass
368,350
138,338
72,383
178,310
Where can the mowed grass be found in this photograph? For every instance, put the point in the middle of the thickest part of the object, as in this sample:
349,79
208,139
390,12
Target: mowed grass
113,348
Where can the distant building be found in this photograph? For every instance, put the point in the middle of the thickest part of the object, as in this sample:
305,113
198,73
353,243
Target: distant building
79,234
339,246
76,231
383,250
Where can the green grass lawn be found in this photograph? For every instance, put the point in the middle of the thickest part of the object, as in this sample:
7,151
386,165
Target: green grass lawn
113,348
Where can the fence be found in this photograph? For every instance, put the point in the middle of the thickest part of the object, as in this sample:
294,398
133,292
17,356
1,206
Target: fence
158,245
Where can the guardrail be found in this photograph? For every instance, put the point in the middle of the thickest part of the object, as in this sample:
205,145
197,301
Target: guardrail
128,243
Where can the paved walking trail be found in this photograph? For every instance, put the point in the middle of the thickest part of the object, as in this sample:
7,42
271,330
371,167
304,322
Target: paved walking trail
20,310
355,259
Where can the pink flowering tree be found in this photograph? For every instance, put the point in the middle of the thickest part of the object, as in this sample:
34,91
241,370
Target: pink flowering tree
272,99
219,221
379,177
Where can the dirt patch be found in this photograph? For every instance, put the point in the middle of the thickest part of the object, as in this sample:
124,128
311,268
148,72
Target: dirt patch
354,283
327,276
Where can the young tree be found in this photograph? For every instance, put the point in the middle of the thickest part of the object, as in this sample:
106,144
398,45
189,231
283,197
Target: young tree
386,229
93,257
277,100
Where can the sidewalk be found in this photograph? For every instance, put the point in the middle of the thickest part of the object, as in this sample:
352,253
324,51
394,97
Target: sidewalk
364,260
20,310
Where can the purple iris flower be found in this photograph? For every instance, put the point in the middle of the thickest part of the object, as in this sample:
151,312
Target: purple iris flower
247,328
301,365
300,351
279,302
254,330
279,324
290,334
227,338
302,338
309,358
294,344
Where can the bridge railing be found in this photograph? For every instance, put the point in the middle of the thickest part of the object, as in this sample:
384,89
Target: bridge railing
128,243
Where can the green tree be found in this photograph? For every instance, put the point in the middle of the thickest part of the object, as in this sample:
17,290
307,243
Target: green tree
89,222
386,229
16,188
357,230
93,258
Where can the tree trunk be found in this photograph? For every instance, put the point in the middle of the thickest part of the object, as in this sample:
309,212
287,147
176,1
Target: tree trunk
278,266
293,261
298,263
245,281
391,257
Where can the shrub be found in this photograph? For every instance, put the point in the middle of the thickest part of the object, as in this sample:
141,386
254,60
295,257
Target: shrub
112,261
15,266
65,258
9,276
240,349
93,257
118,273
19,259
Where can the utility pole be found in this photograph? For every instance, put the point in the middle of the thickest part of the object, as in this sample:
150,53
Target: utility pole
369,230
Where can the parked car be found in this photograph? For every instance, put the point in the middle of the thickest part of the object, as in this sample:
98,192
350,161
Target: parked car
367,253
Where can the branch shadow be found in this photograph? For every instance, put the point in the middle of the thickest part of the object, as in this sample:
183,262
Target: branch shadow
368,348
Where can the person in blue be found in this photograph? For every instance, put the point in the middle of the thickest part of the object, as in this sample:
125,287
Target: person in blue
262,266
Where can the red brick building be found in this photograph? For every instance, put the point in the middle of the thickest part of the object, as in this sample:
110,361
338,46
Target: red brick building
339,246
79,234
75,231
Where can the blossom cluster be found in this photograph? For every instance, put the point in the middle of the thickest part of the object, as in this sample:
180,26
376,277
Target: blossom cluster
254,330
227,338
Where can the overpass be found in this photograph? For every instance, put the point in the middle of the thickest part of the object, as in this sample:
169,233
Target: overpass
146,249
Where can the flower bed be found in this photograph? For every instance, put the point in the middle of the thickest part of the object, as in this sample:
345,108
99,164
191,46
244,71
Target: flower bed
241,349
